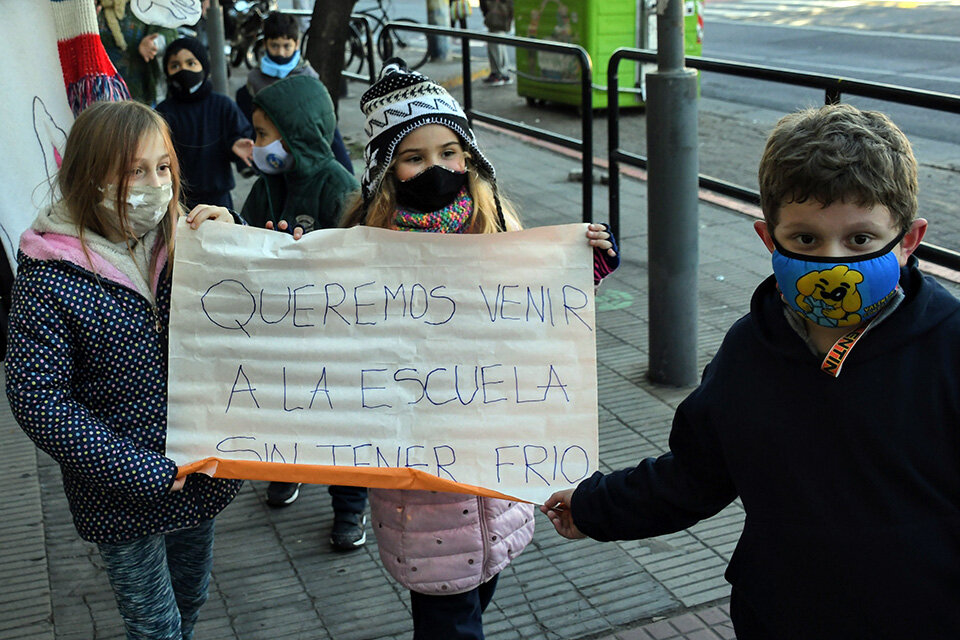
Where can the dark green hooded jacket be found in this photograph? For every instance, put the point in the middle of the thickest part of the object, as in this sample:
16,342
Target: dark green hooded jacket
313,192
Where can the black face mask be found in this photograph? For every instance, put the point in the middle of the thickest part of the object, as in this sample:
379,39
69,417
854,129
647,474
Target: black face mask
280,60
431,190
183,81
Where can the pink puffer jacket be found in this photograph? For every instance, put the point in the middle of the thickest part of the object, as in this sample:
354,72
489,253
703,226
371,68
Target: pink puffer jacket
444,543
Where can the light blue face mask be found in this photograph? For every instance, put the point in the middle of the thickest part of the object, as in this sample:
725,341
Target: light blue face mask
837,292
274,70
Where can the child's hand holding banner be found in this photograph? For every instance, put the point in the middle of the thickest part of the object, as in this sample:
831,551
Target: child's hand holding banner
384,359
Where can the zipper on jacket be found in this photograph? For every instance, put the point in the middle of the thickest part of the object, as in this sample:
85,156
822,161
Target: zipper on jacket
483,534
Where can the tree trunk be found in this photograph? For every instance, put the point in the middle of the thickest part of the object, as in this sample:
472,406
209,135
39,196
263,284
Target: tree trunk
328,38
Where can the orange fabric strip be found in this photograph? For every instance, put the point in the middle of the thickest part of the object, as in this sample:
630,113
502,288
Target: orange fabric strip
379,478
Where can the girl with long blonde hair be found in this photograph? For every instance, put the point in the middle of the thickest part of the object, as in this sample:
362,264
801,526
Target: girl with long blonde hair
86,366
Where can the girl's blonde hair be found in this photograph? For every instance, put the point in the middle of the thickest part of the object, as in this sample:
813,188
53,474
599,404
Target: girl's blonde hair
102,144
382,208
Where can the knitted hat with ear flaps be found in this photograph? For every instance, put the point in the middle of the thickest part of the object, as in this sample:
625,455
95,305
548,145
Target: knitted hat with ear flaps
399,102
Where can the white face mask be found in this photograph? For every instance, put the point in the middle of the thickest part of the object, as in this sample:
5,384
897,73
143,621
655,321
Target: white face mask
146,206
273,158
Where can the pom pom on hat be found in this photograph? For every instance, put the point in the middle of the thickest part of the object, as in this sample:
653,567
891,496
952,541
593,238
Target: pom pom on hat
399,102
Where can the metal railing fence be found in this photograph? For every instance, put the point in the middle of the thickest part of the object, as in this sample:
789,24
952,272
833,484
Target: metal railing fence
370,78
832,86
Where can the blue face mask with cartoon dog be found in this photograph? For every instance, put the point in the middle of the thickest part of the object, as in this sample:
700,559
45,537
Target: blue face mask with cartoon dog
837,292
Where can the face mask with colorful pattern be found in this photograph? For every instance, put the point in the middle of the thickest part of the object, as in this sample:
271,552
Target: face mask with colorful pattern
837,292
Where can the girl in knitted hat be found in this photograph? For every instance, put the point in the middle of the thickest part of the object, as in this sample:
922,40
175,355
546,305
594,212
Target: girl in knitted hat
425,173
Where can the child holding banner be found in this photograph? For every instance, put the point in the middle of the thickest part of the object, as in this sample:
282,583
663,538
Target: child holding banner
425,173
830,410
86,367
302,188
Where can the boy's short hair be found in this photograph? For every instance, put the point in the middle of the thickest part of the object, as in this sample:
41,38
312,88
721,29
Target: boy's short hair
281,25
839,153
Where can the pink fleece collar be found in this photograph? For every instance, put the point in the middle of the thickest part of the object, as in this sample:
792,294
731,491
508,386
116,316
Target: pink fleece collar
57,246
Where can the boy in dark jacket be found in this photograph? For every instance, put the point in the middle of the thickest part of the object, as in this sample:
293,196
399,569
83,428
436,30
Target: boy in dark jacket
303,188
208,130
831,410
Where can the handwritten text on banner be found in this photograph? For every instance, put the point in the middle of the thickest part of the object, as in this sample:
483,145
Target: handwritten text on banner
469,358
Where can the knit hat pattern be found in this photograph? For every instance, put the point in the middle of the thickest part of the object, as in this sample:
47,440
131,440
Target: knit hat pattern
399,102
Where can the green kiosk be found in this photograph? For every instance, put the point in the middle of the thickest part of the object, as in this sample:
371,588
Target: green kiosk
600,27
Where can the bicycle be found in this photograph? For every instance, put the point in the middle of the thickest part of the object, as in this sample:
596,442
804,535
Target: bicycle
411,46
243,25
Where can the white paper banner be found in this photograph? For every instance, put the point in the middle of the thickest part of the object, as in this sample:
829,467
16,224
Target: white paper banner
471,358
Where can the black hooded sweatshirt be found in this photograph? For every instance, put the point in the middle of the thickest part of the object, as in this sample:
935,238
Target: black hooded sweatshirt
204,126
851,485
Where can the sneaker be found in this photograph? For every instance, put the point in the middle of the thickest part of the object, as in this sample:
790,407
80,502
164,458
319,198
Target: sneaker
501,80
348,532
490,79
281,494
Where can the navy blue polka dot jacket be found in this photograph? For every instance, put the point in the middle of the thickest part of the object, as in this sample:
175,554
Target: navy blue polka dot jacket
87,381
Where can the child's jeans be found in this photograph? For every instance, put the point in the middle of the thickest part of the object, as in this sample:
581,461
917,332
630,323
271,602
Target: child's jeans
160,581
453,617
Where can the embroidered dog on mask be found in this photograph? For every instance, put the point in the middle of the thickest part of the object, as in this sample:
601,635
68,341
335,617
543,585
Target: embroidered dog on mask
831,294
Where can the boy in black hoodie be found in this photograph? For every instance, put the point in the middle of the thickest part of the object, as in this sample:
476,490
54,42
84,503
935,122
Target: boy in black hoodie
209,132
831,410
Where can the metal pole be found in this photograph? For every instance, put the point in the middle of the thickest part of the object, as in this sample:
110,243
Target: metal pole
673,245
467,78
218,56
438,13
613,145
586,128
